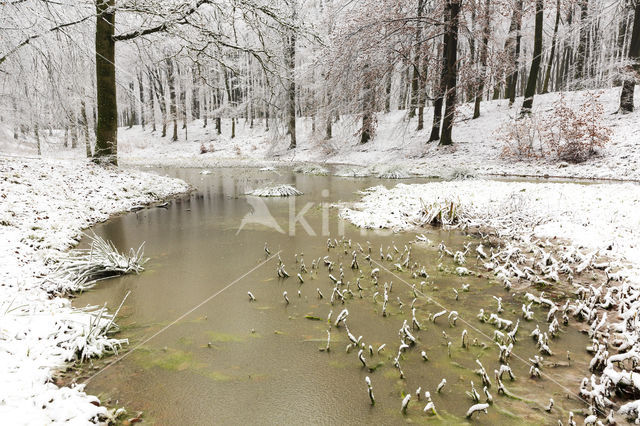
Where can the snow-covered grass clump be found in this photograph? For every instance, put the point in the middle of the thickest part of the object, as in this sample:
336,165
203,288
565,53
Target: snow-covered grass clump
393,172
275,191
84,267
44,207
460,174
352,171
311,169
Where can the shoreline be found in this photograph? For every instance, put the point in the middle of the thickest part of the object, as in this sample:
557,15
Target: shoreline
41,332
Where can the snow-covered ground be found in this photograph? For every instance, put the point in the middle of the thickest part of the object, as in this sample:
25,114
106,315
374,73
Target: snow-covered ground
549,232
44,206
594,217
477,149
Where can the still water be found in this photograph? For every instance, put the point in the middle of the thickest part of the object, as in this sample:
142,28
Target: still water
233,361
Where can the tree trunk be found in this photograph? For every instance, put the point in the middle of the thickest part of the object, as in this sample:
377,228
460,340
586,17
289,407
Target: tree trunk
85,128
74,130
291,88
196,113
582,45
415,80
183,102
106,149
173,108
442,86
152,102
483,57
452,74
387,90
626,97
141,90
131,115
422,98
15,118
36,133
535,63
621,39
367,109
402,100
160,93
545,84
204,113
513,48
231,103
328,130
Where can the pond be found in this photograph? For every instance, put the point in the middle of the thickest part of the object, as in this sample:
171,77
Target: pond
233,361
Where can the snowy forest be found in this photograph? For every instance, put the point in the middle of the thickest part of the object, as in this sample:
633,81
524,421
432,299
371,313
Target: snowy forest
319,211
167,66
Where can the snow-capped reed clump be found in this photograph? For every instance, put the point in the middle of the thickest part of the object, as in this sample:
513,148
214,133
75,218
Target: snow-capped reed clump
91,339
460,174
311,169
83,267
275,191
352,171
446,212
394,172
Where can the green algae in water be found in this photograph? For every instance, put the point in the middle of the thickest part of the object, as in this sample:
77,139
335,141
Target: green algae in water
313,318
170,359
218,337
218,376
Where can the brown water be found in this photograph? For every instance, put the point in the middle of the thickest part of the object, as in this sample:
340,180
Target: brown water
238,362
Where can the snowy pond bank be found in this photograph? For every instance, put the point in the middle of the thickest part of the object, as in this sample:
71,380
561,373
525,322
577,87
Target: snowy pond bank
585,236
44,206
570,233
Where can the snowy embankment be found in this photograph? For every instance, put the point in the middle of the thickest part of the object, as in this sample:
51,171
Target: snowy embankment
44,206
584,236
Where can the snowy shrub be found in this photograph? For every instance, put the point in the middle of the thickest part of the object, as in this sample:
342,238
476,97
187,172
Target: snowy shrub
312,169
564,133
275,191
521,138
576,135
206,148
